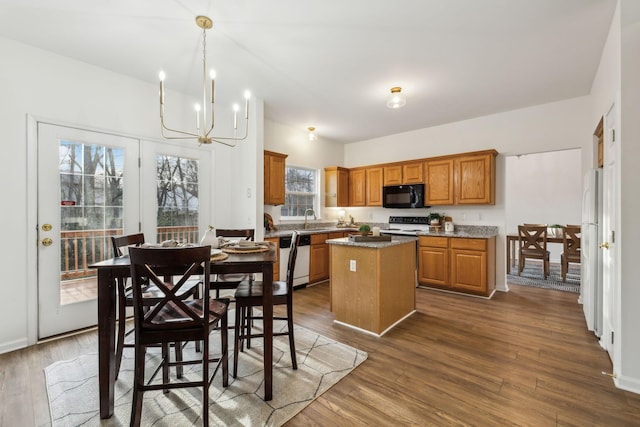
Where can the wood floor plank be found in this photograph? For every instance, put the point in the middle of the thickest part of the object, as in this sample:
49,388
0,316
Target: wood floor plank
523,358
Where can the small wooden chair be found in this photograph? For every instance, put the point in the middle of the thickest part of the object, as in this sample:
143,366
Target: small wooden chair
125,294
571,248
532,241
173,319
249,295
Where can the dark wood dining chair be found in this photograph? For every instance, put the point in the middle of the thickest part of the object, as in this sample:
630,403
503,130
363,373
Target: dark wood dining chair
120,245
532,243
571,248
171,319
249,295
231,281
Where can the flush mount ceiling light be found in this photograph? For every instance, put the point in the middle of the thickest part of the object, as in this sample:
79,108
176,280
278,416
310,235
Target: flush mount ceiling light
312,133
396,98
204,124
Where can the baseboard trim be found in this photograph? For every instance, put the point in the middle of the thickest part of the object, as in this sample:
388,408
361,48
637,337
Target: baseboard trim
9,346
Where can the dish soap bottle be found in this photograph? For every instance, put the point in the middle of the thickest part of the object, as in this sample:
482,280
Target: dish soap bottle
209,238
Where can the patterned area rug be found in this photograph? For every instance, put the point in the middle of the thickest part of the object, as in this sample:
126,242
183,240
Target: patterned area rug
72,386
532,276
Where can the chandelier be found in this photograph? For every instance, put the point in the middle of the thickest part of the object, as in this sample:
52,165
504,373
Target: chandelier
205,124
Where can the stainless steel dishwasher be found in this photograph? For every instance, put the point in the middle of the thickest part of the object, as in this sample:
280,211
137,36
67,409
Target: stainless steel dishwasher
301,270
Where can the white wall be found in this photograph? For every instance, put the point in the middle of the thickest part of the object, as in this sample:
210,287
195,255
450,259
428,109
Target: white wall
544,188
47,86
629,227
549,127
303,153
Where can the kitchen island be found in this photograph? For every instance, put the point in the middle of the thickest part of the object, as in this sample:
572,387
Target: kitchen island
373,284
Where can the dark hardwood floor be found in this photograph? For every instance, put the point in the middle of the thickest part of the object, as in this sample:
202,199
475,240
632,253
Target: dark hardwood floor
523,358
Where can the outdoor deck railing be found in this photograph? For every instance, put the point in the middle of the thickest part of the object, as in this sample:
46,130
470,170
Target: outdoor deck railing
78,249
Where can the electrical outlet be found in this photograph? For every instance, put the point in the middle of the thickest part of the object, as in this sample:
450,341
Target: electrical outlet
352,265
249,192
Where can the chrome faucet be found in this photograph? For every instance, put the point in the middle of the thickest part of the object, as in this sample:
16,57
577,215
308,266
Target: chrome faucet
306,225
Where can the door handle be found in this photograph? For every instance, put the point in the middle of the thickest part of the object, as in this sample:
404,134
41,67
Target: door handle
604,245
47,241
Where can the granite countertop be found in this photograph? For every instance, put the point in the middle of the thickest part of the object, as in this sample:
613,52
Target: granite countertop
395,240
287,232
465,231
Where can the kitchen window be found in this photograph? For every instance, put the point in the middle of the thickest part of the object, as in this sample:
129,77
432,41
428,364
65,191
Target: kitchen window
301,192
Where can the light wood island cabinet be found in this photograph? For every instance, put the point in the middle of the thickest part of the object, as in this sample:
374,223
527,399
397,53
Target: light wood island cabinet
370,289
458,264
274,170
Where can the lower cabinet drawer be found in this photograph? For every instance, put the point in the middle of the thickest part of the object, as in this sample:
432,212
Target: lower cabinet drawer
471,244
434,242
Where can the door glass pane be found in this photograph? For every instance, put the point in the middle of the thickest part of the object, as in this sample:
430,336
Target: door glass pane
177,198
91,210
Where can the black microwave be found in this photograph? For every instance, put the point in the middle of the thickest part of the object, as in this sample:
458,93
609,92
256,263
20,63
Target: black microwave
403,196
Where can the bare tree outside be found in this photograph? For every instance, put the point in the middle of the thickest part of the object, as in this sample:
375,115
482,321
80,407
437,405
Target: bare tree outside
300,191
177,192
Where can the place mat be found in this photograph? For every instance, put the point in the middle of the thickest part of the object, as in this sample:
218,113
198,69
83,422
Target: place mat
219,257
240,250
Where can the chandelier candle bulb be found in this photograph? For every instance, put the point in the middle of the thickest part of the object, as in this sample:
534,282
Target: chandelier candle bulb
236,107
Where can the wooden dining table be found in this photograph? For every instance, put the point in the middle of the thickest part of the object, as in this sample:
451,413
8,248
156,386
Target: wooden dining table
512,241
111,269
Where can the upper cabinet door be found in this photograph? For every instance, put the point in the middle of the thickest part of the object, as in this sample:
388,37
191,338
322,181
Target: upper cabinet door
393,175
357,192
439,188
374,186
336,187
412,173
475,179
274,170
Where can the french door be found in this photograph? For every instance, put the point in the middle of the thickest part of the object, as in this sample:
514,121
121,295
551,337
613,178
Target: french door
88,190
91,186
177,192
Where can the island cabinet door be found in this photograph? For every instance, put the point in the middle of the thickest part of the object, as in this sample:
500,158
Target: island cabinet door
433,266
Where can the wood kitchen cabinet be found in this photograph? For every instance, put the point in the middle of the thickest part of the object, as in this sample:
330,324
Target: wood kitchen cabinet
467,179
274,175
473,265
319,256
357,190
439,177
457,264
412,173
433,261
336,187
404,173
392,175
373,185
276,265
475,179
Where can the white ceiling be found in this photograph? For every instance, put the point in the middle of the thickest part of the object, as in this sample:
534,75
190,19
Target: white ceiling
331,63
